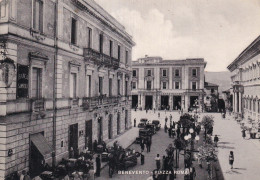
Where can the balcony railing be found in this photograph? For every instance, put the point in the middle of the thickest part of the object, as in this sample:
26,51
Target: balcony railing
100,58
38,105
195,90
93,102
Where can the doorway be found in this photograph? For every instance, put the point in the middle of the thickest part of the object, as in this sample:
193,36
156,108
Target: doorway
100,129
110,127
165,102
176,102
73,139
126,119
194,101
134,101
88,136
118,123
148,102
36,159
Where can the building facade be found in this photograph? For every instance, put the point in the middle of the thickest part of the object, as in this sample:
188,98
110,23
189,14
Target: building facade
245,79
167,84
211,97
65,79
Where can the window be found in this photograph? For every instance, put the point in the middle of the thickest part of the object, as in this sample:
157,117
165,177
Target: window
134,73
194,85
110,86
119,52
111,48
126,57
149,72
134,85
149,85
177,73
101,43
126,88
89,37
259,106
164,73
38,15
88,85
118,87
73,85
194,72
164,85
73,31
177,85
36,83
100,89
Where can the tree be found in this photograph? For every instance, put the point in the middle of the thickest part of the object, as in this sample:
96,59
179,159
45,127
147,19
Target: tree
208,123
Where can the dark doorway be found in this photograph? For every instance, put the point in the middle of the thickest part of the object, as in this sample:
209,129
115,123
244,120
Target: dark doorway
193,100
73,139
148,102
176,102
134,101
165,102
126,119
100,130
88,136
110,127
118,123
36,160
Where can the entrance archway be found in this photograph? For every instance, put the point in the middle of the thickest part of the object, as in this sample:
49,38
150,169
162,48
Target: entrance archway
100,129
134,101
176,102
164,102
118,123
148,102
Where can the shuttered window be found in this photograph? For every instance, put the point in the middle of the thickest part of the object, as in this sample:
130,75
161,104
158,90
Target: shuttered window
36,83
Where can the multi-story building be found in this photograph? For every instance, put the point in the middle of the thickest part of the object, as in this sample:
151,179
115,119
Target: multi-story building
65,73
245,79
170,84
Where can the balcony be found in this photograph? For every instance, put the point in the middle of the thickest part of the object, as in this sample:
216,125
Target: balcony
98,101
194,91
38,105
100,58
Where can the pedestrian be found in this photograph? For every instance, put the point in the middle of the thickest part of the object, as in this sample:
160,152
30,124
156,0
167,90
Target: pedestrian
216,141
154,110
170,132
142,144
231,159
165,128
173,125
98,166
158,114
148,145
166,119
158,162
22,175
135,122
142,158
146,110
27,176
72,152
200,160
170,116
178,132
244,133
192,173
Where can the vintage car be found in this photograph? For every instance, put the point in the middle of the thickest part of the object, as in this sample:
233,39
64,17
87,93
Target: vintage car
141,125
157,124
150,128
143,134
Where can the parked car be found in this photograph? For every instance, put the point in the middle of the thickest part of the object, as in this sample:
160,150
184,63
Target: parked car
144,120
143,134
141,125
157,124
150,128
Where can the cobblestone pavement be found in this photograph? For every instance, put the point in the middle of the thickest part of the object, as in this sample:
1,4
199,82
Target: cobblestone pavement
246,151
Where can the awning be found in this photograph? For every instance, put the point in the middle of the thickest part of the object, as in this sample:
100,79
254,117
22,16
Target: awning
41,144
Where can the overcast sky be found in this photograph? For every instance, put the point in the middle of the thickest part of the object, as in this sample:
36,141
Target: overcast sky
216,30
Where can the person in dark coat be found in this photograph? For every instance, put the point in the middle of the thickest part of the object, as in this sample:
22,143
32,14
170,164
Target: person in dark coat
216,140
98,166
178,132
142,144
142,158
173,125
231,159
148,145
165,128
244,133
135,122
170,132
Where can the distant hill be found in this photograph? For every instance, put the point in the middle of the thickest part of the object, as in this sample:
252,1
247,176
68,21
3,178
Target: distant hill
220,78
